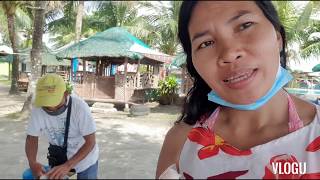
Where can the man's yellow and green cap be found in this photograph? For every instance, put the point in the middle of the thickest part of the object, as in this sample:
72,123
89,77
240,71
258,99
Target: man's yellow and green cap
49,90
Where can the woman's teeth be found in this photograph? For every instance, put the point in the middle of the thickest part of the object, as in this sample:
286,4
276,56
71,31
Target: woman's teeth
239,77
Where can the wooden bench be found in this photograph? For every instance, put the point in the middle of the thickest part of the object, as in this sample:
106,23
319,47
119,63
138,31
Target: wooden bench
23,84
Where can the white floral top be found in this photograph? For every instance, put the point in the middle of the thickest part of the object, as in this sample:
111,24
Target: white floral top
205,155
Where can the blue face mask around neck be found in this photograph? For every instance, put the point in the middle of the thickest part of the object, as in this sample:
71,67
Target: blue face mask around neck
282,78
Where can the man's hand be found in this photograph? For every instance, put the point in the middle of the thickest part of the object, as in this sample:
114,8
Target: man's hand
31,148
37,170
58,172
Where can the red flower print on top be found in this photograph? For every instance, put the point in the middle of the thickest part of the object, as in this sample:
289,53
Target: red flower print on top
281,159
187,176
212,143
227,175
311,176
314,145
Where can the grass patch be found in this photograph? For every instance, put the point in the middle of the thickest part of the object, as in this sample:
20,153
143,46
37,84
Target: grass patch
14,115
5,82
18,116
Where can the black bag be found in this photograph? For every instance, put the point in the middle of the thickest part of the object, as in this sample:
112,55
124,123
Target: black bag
57,155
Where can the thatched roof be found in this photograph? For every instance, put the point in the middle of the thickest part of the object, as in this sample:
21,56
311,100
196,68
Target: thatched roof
48,58
6,58
179,60
114,42
316,68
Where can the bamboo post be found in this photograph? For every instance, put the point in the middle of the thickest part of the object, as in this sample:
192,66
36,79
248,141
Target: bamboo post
126,107
97,67
138,75
9,76
84,70
71,71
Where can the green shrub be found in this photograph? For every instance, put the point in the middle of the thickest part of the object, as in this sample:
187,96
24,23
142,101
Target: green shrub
167,90
152,95
168,86
69,87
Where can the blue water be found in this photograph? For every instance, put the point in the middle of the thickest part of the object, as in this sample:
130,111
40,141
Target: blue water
303,91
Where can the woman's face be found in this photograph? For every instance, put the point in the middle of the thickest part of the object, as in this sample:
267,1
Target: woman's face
235,49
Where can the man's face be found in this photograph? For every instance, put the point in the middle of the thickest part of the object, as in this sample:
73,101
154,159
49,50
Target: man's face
55,108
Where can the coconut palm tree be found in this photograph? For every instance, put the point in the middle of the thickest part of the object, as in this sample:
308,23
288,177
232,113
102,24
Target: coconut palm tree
17,21
299,27
3,28
10,8
38,26
123,14
22,21
107,14
310,45
39,21
78,24
63,29
24,24
165,25
38,11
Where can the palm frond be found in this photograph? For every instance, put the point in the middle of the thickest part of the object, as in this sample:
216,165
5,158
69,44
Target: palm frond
4,26
303,20
311,49
23,20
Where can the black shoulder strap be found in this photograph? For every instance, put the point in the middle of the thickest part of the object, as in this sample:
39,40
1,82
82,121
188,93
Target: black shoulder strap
66,132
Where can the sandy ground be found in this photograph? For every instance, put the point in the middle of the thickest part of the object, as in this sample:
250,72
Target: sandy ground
129,146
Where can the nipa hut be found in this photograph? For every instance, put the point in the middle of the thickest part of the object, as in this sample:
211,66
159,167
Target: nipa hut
115,57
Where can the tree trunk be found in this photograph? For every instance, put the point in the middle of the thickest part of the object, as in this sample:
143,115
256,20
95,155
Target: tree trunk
79,21
15,64
9,71
78,28
36,52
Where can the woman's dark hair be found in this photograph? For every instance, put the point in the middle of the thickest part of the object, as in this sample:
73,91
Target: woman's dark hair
196,104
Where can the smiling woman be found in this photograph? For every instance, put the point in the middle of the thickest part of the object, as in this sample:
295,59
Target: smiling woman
238,118
236,49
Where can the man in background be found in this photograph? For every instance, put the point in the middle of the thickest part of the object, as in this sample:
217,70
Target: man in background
48,118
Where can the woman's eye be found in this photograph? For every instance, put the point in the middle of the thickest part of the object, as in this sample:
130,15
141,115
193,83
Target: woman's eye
245,25
206,44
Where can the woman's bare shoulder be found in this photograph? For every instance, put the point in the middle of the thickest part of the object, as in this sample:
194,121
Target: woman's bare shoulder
179,131
176,136
306,110
172,146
